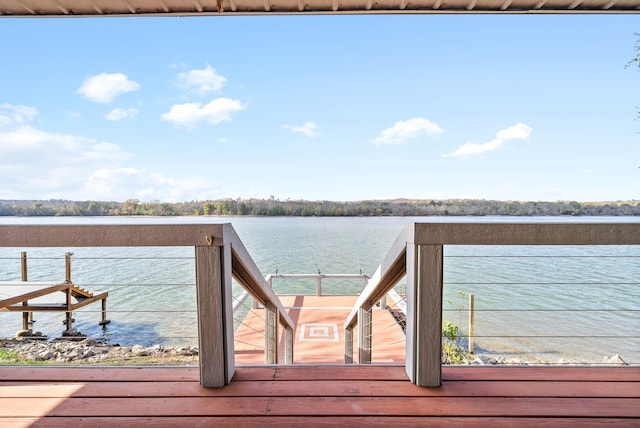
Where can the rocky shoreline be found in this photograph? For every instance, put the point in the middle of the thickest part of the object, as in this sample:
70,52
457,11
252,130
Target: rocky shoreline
91,351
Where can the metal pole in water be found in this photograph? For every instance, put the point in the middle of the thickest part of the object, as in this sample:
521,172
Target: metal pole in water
23,263
67,267
27,317
471,326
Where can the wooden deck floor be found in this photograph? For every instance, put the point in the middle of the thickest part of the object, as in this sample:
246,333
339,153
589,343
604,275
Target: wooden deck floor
307,396
319,337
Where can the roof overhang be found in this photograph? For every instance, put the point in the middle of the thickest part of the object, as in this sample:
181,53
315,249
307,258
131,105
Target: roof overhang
62,8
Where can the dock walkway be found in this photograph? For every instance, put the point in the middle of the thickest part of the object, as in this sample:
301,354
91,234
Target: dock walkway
319,337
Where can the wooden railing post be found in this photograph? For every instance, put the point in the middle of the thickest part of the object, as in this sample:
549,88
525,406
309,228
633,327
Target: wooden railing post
288,343
215,314
271,319
348,345
364,336
424,314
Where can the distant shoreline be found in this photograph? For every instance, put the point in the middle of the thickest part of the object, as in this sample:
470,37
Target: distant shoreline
301,208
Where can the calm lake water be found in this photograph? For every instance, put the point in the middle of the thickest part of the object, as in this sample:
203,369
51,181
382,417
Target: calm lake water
537,303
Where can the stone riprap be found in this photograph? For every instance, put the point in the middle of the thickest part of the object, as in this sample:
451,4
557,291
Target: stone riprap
91,351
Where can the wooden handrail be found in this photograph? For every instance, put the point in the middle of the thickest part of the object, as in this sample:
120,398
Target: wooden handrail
418,254
245,271
219,256
390,271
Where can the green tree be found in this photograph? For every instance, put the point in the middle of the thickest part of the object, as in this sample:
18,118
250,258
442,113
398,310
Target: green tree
635,62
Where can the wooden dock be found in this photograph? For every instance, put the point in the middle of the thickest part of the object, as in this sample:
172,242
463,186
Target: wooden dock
320,396
319,336
65,297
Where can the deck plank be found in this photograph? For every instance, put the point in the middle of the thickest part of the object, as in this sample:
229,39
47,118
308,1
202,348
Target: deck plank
321,395
321,406
344,388
302,422
97,374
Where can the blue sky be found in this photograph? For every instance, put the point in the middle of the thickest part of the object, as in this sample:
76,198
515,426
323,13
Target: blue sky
320,107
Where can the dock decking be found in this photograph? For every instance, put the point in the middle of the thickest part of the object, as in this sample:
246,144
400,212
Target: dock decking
319,334
309,396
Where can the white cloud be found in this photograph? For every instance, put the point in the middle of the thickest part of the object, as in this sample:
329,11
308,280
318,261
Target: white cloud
24,138
202,81
406,130
121,113
105,87
520,131
308,129
120,184
36,164
190,114
105,152
16,114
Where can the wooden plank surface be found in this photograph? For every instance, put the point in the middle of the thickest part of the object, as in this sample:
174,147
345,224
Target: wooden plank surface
320,406
329,421
320,395
340,388
319,334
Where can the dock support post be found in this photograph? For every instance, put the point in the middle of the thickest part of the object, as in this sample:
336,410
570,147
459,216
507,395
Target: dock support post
27,317
104,321
364,336
67,267
215,314
68,318
471,321
424,314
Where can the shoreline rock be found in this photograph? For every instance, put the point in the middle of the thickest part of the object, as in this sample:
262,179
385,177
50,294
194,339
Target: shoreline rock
91,351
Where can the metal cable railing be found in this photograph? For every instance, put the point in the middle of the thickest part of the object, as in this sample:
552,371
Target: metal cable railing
558,314
549,285
501,331
146,306
249,331
421,254
151,316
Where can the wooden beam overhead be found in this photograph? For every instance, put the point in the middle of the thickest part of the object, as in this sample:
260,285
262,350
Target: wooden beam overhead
27,8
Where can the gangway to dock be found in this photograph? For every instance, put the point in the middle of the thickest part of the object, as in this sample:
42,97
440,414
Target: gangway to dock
319,334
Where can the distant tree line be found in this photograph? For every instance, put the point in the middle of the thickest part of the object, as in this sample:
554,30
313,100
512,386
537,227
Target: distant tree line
302,208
